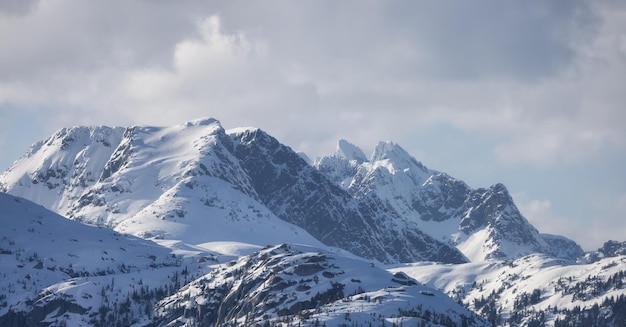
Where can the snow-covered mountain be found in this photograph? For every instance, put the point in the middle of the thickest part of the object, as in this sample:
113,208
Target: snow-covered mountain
196,182
482,223
177,183
301,195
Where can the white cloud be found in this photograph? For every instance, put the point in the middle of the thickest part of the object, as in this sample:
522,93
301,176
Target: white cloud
541,215
216,70
610,222
607,223
531,85
540,80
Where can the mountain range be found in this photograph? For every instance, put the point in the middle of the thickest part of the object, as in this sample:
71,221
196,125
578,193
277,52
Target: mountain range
251,232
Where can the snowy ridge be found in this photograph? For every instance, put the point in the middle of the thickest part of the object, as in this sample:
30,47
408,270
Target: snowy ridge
298,285
349,151
69,161
178,182
198,183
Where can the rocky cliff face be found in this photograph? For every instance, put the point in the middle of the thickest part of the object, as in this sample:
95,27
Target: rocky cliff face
299,194
198,192
613,249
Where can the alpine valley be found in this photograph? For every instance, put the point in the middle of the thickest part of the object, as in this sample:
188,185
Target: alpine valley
196,225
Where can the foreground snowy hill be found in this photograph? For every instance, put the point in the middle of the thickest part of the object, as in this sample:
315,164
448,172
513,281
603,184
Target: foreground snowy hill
304,286
534,290
58,272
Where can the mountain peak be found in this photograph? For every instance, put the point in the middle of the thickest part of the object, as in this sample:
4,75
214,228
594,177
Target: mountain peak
349,151
387,150
613,248
202,122
242,130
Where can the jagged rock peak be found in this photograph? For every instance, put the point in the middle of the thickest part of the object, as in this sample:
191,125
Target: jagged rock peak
499,188
613,248
349,151
65,137
387,150
244,134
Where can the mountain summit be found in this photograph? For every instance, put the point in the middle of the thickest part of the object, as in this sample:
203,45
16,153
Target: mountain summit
349,151
482,223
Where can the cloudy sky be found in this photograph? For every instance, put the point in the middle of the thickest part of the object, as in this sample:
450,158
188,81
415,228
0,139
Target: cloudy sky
528,93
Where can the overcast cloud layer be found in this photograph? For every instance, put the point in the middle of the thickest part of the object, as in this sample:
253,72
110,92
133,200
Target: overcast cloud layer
529,93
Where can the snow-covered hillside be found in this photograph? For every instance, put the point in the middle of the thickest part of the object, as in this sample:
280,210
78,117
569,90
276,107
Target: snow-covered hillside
56,270
535,288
